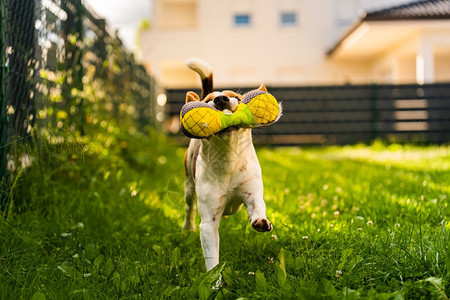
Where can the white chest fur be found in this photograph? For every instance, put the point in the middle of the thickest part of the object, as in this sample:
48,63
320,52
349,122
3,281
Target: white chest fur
227,160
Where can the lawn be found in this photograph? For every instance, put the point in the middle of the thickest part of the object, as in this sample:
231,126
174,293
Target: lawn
102,219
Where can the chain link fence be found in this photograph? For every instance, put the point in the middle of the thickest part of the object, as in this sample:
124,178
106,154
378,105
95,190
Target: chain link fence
62,70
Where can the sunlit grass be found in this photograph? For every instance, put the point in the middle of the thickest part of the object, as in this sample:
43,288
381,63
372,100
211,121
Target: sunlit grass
104,221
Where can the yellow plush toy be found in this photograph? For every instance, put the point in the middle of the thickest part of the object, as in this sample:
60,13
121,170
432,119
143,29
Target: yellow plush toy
258,108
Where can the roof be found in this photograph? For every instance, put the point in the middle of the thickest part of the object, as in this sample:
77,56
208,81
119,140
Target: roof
425,9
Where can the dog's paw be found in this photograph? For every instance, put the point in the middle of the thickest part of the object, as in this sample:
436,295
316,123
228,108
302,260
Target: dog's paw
261,224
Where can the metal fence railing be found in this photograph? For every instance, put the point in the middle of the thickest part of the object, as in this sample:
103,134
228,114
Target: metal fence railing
62,69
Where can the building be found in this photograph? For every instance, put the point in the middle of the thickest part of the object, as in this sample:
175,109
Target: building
299,42
403,44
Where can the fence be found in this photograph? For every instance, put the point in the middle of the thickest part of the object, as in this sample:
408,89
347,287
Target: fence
353,113
62,69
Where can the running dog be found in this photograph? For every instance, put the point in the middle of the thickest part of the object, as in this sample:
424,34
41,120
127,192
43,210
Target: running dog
222,171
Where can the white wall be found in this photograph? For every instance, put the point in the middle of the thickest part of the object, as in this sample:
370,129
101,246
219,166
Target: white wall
266,52
399,65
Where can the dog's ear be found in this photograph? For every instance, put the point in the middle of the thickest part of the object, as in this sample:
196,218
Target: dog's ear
263,88
191,96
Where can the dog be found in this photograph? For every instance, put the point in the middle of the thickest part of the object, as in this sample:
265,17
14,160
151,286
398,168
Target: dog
222,171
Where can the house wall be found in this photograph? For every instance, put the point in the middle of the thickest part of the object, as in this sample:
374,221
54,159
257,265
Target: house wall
440,43
400,64
442,66
265,51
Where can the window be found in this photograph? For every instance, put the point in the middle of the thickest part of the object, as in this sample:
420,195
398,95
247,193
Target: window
288,19
242,20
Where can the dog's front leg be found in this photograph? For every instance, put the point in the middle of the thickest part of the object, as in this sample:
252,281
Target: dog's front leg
210,209
209,237
252,194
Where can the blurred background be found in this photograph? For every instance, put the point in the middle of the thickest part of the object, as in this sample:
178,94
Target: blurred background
292,42
347,70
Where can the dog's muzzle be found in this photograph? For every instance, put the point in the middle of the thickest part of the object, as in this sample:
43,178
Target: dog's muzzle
222,102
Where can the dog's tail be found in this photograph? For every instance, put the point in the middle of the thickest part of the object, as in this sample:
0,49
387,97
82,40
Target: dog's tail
205,71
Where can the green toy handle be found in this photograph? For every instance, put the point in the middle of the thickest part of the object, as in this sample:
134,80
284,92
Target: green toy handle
242,117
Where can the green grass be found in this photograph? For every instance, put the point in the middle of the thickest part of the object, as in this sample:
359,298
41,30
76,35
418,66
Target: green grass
103,220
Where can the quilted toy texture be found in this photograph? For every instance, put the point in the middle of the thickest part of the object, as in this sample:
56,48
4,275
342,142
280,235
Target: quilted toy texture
256,109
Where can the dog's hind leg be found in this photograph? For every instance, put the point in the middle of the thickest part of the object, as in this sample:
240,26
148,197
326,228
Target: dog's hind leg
189,197
189,186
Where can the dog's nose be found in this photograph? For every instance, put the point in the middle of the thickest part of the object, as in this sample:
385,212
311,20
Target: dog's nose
221,100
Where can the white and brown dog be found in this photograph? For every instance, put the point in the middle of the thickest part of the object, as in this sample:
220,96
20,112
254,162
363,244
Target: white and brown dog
222,172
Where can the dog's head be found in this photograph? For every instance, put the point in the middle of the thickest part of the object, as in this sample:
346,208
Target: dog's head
225,101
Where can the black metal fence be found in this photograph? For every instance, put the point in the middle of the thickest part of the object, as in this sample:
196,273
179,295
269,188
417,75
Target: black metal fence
62,70
353,113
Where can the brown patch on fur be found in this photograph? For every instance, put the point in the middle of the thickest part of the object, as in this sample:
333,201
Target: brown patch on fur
232,94
209,97
229,94
207,85
262,225
191,96
195,153
247,194
185,163
262,87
